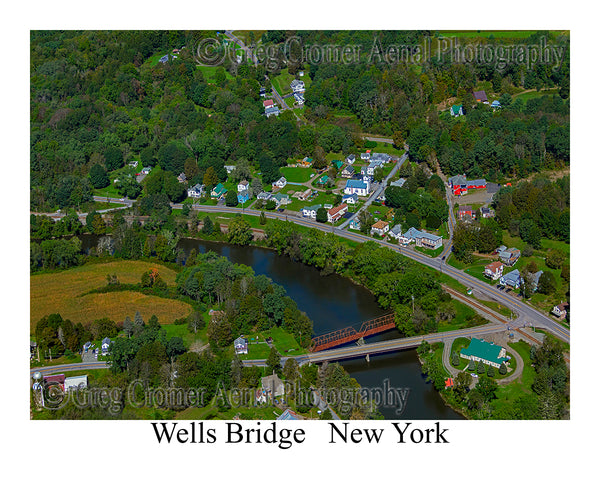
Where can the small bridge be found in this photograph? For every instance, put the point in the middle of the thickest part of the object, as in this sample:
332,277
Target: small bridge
350,334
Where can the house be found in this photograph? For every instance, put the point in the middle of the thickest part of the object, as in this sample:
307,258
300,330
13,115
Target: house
264,196
311,211
306,162
486,212
282,182
465,211
365,156
305,195
421,239
133,164
496,104
480,96
398,183
181,178
273,385
87,346
323,180
105,345
164,59
338,164
268,103
396,232
273,110
560,310
350,159
509,256
449,382
240,345
348,172
494,270
146,170
486,352
511,279
380,228
297,86
218,192
229,168
374,165
354,224
357,186
243,196
350,199
281,199
73,383
382,157
336,213
456,110
289,415
262,92
299,98
58,379
243,185
196,191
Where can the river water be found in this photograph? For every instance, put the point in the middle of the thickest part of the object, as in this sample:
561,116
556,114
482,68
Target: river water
333,302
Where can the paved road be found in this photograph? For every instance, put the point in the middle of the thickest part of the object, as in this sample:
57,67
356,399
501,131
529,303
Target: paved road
71,367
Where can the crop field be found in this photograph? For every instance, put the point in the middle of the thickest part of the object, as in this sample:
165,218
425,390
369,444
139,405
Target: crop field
62,292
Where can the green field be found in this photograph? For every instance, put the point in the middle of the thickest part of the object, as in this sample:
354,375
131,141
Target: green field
297,174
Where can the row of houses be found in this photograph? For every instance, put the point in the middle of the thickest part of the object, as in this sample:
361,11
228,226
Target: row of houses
270,108
419,237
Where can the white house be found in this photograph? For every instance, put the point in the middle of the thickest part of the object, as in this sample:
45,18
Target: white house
365,156
264,196
359,187
241,345
299,98
105,345
229,168
196,191
311,211
350,159
396,232
380,228
384,157
243,186
334,214
282,182
374,165
297,86
350,199
494,270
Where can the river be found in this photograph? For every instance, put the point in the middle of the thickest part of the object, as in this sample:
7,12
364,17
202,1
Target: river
333,302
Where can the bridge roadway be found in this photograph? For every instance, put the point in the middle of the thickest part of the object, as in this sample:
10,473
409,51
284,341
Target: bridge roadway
384,346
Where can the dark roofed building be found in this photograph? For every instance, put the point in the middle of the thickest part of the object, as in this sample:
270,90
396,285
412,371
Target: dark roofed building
480,96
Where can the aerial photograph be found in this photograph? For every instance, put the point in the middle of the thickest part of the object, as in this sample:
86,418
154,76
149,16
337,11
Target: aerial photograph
299,225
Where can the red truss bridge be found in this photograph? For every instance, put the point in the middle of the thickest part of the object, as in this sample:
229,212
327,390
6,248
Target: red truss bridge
350,334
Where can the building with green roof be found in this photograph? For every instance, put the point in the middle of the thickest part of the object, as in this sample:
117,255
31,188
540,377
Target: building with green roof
338,164
488,353
218,191
456,110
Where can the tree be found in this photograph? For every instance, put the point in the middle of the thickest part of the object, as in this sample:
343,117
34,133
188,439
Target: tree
175,347
274,361
207,226
290,369
480,368
240,231
113,158
455,359
99,177
231,199
195,322
502,370
555,259
210,178
128,327
322,215
546,283
263,219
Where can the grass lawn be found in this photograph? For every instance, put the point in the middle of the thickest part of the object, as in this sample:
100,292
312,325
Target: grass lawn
61,292
508,393
188,337
284,342
464,318
297,174
429,252
209,73
529,95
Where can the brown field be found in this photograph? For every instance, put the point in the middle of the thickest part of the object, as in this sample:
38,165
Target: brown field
59,293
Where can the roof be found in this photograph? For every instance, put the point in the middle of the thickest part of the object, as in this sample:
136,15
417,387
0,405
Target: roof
337,209
281,180
465,208
338,164
456,109
396,229
244,182
398,183
307,160
495,103
355,184
494,266
482,349
268,103
480,182
289,415
380,224
312,207
349,168
513,276
219,189
323,179
240,341
350,195
457,180
480,96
